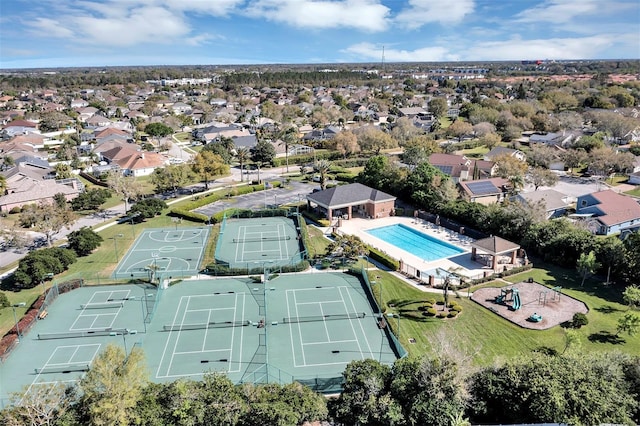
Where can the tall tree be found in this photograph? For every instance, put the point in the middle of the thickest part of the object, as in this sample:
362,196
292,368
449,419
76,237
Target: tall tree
263,153
40,405
242,155
113,386
47,218
539,176
63,171
629,323
438,107
346,143
322,167
170,178
587,265
207,165
158,130
125,186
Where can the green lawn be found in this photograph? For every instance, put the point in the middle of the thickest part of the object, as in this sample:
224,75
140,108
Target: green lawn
184,136
477,152
484,336
318,243
445,122
634,192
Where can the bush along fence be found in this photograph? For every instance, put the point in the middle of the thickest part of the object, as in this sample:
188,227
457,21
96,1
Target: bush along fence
10,340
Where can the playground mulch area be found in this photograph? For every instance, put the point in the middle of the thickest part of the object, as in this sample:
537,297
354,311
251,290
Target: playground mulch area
554,308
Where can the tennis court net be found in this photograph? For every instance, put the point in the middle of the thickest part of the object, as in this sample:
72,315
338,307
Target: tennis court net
328,317
68,368
203,326
105,305
260,239
80,333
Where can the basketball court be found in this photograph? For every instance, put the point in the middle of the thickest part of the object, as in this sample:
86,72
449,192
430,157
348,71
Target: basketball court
170,252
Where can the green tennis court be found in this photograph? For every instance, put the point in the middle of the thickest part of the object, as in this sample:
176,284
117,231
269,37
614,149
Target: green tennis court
78,325
171,252
303,327
203,326
324,321
245,243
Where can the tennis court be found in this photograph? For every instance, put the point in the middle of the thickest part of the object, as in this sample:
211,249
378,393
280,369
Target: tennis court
172,252
324,321
77,326
303,327
204,326
245,243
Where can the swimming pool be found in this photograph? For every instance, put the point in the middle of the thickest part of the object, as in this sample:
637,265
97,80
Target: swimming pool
415,242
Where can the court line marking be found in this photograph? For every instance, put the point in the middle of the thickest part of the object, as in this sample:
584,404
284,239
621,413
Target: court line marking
166,345
359,323
47,363
187,310
96,316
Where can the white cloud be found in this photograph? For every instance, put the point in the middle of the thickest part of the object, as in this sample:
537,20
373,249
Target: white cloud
366,15
421,12
371,51
554,48
141,25
560,11
210,7
49,28
201,39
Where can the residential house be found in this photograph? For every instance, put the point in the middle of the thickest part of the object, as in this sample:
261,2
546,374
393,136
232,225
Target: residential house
79,103
31,191
461,168
20,127
86,113
96,121
346,200
181,108
555,203
484,191
133,162
501,150
634,178
561,139
608,212
412,112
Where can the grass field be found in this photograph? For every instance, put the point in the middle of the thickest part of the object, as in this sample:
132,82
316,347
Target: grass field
484,336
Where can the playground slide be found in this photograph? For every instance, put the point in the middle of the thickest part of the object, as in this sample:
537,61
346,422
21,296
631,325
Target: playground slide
516,300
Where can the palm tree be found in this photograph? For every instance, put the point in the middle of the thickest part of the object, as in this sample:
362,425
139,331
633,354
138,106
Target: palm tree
3,185
322,167
288,137
242,155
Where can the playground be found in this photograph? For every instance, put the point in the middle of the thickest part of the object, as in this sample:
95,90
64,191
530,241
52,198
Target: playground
529,304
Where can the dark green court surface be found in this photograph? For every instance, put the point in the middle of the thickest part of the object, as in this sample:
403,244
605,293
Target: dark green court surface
268,241
304,327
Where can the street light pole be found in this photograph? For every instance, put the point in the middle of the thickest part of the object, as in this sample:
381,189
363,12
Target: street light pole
115,246
15,318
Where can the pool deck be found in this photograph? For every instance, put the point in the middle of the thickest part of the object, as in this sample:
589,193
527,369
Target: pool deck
462,262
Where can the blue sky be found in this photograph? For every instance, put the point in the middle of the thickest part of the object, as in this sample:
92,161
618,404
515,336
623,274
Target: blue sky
57,33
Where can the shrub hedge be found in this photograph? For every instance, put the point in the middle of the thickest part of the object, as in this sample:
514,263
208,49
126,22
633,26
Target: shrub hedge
383,258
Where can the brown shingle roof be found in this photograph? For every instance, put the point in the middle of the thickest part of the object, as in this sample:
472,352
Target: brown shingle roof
616,208
495,245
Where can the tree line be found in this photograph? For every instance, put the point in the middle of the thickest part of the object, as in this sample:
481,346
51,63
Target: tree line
572,388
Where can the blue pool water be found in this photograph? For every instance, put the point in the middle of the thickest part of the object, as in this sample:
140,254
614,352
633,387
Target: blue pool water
415,242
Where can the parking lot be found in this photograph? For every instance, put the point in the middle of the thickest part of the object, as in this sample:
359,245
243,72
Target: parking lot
292,193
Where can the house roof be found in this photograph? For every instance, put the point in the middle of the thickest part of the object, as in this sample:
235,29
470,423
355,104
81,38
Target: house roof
552,199
495,245
111,131
130,159
344,195
484,187
616,208
438,159
32,191
21,123
500,150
